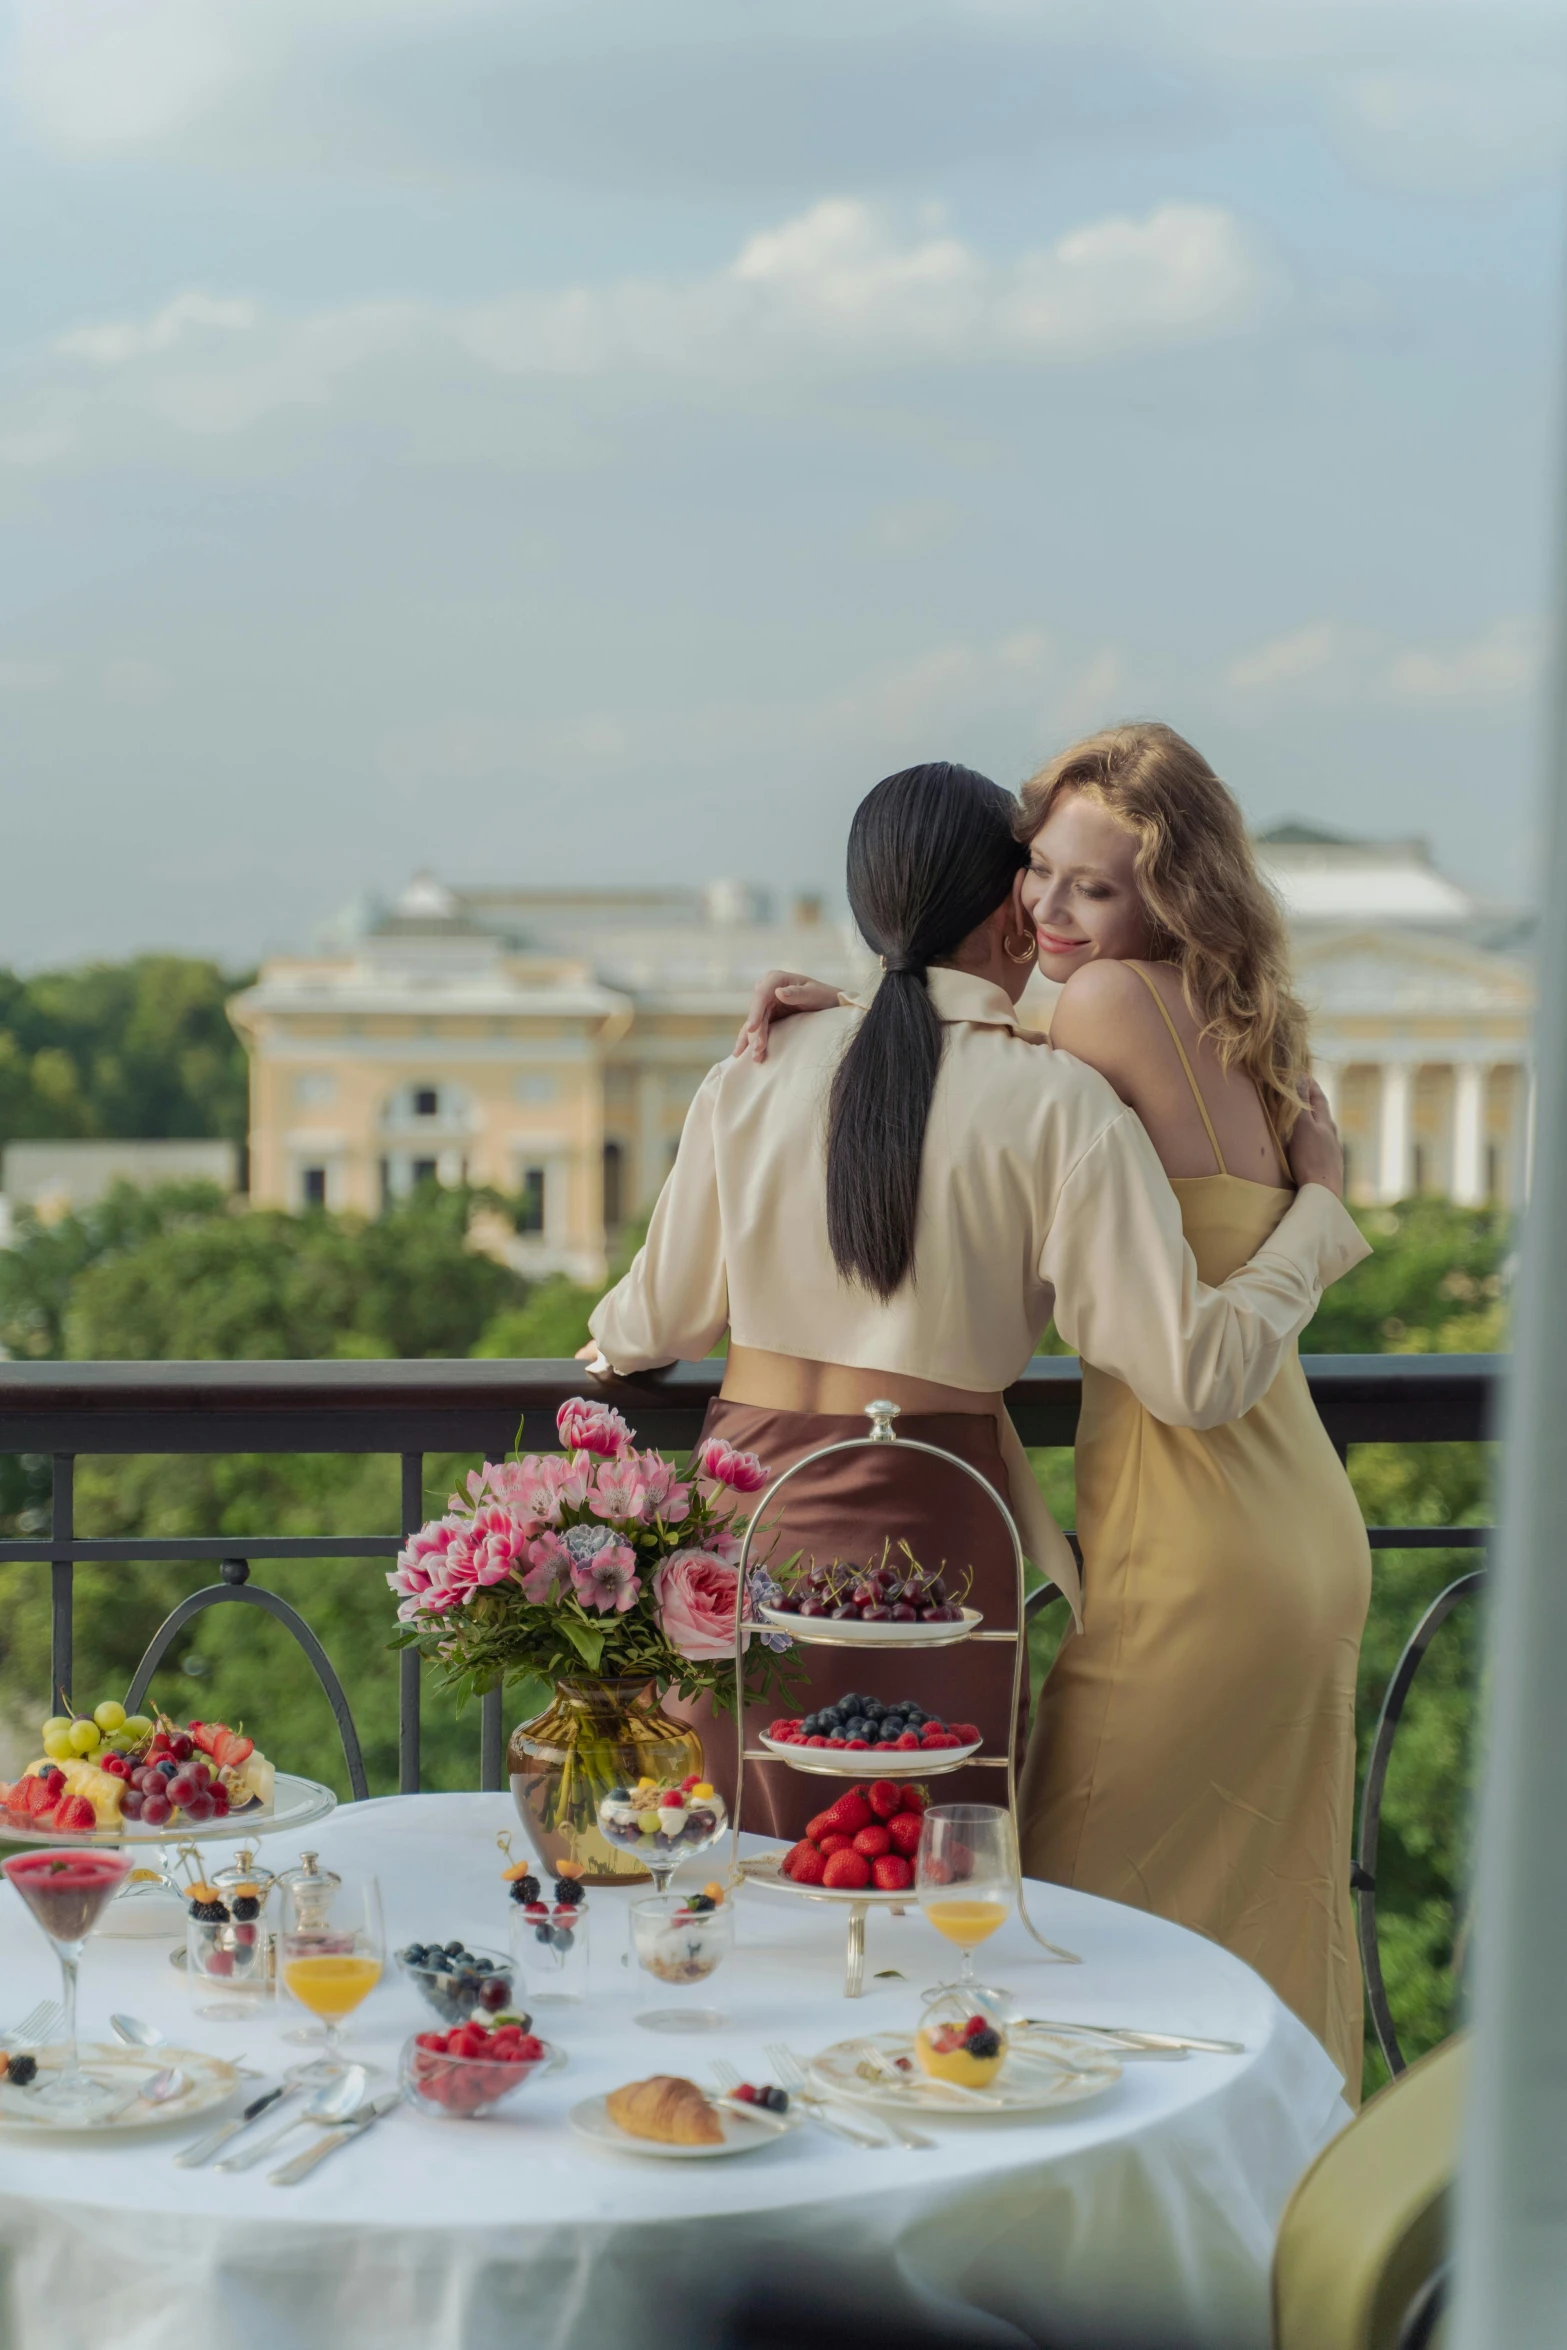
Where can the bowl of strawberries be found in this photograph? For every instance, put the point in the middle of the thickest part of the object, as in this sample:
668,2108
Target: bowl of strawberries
473,2069
862,1846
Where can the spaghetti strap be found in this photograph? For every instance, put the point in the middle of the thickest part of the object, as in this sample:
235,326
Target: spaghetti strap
1175,1039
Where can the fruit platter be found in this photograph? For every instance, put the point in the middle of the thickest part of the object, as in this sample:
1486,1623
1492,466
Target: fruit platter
841,1737
860,1849
882,1606
116,1778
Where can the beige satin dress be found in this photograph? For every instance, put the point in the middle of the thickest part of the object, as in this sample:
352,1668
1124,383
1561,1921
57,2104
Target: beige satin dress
1193,1753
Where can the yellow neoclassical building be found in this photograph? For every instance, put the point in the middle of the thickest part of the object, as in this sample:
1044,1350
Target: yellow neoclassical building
548,1042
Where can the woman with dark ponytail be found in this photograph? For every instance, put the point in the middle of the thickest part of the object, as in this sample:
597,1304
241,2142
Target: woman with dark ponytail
965,1184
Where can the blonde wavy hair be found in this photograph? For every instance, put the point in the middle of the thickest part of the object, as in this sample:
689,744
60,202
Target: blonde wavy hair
1212,913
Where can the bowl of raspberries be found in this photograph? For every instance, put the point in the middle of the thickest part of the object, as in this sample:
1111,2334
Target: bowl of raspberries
863,1844
872,1725
461,2074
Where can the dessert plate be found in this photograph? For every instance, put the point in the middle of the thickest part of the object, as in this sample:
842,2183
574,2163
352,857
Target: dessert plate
849,1632
591,2120
1037,2077
765,1868
209,2080
868,1762
296,1803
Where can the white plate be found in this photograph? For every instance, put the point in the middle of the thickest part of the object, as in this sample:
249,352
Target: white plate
209,2081
591,2120
1038,2076
871,1762
846,1632
296,1803
765,1868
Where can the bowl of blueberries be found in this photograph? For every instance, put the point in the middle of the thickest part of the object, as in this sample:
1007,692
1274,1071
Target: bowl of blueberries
456,1982
879,1723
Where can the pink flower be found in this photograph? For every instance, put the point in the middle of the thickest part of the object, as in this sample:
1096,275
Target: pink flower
500,1543
667,1497
741,1471
422,1563
694,1596
619,1491
605,1575
549,1563
592,1427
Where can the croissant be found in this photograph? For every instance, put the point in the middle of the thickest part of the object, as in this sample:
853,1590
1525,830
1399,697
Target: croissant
673,2111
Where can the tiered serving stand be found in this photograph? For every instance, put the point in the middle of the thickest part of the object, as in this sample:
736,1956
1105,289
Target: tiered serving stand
825,1632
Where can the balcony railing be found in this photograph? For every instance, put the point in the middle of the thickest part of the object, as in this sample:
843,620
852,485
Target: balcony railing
69,1410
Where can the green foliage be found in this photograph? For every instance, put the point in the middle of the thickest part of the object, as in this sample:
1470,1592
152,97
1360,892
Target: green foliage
1434,1283
553,1323
141,1049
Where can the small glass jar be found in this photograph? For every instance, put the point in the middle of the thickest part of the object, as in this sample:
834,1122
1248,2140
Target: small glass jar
312,1888
228,1951
549,1946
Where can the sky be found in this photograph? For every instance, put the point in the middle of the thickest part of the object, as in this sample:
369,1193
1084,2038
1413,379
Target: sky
580,440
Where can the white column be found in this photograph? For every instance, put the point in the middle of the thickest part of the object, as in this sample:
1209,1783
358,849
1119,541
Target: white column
1393,1147
1330,1076
1469,1134
649,1175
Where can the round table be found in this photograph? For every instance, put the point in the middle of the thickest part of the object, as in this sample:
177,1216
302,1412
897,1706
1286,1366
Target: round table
1154,2205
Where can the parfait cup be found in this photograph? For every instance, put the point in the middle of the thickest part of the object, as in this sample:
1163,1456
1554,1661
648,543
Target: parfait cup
67,1893
681,1946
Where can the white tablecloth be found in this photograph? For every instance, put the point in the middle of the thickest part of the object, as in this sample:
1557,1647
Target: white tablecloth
1155,2202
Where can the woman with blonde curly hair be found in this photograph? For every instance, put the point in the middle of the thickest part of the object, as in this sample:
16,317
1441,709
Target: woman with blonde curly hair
1193,1749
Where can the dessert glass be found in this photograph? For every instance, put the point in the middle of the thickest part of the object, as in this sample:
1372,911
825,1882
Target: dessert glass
551,1957
681,1947
67,1893
661,1836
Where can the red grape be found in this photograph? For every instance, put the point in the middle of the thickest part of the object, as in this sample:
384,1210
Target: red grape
155,1809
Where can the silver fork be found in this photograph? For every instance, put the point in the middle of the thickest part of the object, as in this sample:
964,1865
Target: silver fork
40,2024
794,2077
726,2076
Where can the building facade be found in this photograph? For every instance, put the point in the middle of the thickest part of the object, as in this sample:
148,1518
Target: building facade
548,1043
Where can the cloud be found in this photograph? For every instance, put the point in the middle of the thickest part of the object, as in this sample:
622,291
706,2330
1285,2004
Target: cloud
844,285
1287,660
1501,663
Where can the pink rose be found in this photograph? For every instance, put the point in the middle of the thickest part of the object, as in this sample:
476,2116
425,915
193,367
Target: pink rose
694,1597
592,1427
741,1471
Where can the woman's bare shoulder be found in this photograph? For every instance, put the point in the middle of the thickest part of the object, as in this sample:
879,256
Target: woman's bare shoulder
1103,1015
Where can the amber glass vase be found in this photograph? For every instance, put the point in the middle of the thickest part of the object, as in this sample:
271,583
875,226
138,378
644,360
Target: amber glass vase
595,1735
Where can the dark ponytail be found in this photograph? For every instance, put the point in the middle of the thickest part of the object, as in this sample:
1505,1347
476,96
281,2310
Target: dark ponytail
931,854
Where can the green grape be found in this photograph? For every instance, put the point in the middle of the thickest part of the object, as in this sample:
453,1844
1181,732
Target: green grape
58,1746
86,1737
57,1723
110,1715
137,1727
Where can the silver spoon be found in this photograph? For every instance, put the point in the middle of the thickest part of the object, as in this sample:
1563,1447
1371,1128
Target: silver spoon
333,2102
135,2033
162,2089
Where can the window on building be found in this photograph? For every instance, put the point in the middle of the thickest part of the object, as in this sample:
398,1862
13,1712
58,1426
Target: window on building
425,1171
427,1101
530,1205
614,1168
314,1187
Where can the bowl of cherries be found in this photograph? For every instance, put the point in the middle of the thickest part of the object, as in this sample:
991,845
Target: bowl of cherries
905,1601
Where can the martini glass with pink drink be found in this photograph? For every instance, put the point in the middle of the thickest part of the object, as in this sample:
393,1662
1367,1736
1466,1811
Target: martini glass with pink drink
67,1892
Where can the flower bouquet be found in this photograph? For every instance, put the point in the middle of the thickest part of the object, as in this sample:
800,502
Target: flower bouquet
599,1578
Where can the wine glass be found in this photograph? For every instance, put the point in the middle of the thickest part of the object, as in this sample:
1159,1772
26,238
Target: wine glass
67,1892
331,1951
965,1878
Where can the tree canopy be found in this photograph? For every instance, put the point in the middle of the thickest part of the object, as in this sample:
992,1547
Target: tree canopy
139,1051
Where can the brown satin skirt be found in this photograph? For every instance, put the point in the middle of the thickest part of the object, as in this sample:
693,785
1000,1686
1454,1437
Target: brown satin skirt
844,1510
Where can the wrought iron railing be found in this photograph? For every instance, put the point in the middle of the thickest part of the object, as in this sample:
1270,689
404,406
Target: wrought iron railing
65,1411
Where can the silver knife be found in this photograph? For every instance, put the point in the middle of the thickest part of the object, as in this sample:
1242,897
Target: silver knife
1128,2034
191,2157
355,2127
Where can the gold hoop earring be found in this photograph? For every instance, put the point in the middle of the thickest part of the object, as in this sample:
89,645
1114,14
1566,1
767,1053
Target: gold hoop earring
1025,954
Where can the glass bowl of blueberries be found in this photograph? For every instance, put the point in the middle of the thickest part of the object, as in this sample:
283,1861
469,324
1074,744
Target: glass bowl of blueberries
455,1982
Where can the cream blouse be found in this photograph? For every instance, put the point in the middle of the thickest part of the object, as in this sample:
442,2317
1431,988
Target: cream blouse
1040,1195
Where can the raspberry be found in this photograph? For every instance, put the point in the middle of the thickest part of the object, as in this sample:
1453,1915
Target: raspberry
903,1831
967,1733
883,1799
847,1871
873,1841
859,1745
909,1744
891,1873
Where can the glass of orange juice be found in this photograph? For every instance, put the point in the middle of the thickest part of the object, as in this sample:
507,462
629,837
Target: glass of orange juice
966,1879
331,1950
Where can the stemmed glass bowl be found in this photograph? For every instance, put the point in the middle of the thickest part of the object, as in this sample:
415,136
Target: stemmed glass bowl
67,1893
331,1952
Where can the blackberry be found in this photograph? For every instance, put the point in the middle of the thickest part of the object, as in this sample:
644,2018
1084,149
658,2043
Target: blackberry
20,2070
775,2100
211,1913
700,1903
985,2043
567,1890
247,1907
525,1889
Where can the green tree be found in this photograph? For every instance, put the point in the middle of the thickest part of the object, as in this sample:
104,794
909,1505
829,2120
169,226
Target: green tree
139,1050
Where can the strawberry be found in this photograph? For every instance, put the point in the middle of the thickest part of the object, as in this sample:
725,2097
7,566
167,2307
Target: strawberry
39,1796
915,1797
811,1867
793,1854
903,1831
891,1873
828,1845
849,1814
75,1814
883,1798
818,1828
847,1871
873,1841
229,1750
